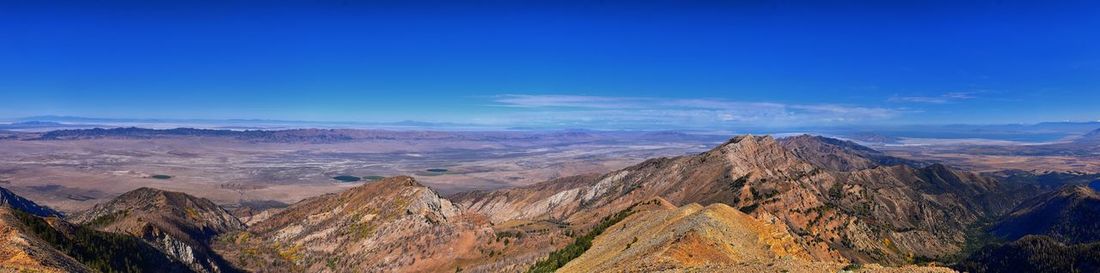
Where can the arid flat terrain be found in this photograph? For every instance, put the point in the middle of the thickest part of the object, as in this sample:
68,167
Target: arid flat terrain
74,174
1076,155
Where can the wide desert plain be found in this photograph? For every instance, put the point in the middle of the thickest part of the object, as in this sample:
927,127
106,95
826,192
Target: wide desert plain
75,174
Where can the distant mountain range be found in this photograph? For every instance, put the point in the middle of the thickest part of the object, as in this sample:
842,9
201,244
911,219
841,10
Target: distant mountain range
751,204
349,135
235,123
1044,132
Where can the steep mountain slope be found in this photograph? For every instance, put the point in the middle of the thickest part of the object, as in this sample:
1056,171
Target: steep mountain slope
1068,215
176,223
531,202
885,214
10,199
22,251
1034,254
391,225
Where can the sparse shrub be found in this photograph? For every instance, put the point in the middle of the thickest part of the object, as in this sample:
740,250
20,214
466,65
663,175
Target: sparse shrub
853,267
559,258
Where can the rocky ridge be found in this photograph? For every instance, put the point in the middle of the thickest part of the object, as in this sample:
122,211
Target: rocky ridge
10,199
887,214
1068,215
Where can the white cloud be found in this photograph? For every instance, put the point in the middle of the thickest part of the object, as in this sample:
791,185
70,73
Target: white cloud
696,112
532,101
941,99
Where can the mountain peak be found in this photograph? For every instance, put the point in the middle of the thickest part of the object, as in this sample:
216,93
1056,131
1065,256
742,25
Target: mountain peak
757,154
399,181
749,139
747,144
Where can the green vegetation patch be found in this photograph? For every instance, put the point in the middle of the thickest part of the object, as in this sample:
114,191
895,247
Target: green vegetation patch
559,258
160,176
373,177
107,219
347,178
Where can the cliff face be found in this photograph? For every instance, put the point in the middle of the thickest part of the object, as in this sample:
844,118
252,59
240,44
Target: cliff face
177,224
878,214
394,224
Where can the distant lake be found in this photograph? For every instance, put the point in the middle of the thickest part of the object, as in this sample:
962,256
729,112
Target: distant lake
347,178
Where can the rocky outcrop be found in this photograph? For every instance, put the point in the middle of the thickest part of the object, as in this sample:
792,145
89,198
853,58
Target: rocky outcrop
178,224
531,202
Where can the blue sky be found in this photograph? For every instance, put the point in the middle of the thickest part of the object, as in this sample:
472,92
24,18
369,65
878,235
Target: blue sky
526,63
